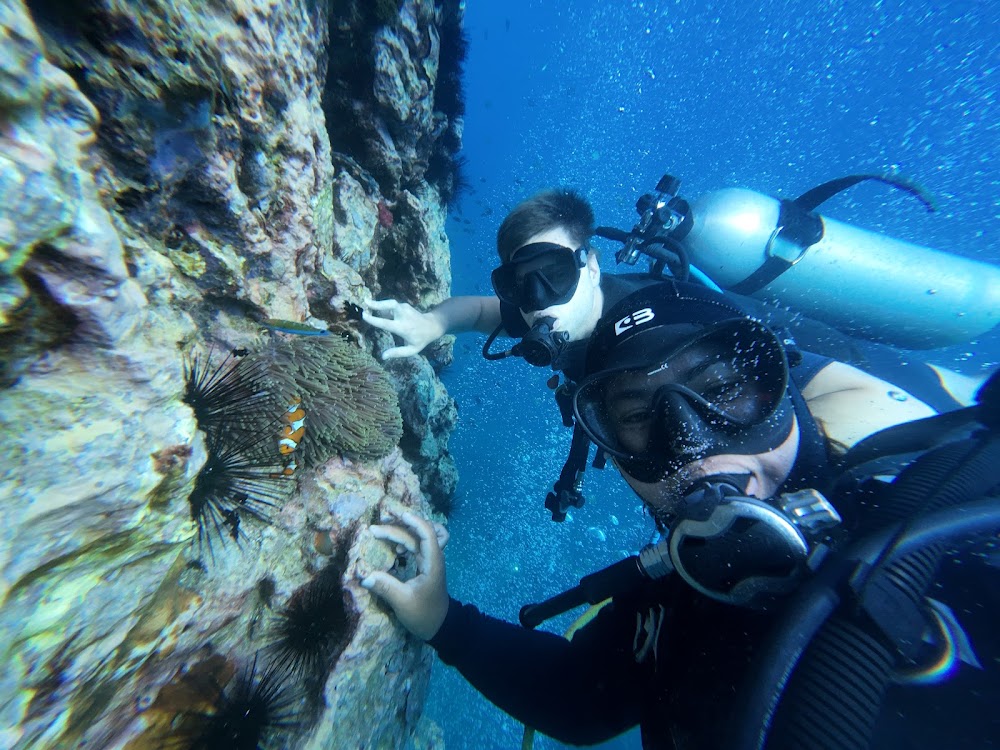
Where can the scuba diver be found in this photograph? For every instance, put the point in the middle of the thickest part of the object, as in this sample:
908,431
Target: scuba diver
550,293
549,289
804,588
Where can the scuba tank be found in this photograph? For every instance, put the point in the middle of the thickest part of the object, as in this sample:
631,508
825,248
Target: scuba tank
862,283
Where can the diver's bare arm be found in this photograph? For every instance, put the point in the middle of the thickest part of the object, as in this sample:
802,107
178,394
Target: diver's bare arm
418,329
850,404
463,314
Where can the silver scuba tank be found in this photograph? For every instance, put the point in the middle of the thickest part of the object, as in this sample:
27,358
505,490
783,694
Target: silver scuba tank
861,282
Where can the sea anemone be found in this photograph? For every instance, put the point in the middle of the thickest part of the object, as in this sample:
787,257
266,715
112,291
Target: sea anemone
351,405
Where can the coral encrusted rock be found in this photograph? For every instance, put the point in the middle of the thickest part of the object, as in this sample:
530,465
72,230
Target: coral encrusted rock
168,185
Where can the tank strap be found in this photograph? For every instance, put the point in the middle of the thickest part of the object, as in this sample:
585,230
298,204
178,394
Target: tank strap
812,466
812,199
567,492
796,232
798,228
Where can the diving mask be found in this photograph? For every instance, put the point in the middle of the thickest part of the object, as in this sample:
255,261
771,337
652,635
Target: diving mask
539,275
699,392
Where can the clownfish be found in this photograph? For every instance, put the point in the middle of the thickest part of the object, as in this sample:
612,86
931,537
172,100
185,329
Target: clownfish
291,435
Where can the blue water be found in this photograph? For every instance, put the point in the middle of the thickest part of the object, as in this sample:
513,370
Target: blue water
606,97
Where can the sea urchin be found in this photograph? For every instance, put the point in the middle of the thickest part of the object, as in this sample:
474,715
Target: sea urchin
246,715
314,625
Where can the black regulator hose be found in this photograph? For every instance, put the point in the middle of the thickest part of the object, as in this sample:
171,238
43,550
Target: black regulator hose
494,356
623,575
814,604
968,520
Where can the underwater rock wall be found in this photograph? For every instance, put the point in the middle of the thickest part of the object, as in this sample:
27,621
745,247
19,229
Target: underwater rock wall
173,174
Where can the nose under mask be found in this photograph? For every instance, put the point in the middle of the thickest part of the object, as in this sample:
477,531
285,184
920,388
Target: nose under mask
686,428
537,292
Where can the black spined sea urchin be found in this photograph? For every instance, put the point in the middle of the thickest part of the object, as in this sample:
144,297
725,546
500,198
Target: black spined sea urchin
315,624
242,479
247,714
231,393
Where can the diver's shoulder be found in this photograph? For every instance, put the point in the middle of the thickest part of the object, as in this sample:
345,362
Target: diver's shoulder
850,405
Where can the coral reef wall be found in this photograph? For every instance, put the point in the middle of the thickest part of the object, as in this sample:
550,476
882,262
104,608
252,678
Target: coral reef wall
173,175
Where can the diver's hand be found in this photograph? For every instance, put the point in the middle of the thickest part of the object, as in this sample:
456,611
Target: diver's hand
422,602
417,329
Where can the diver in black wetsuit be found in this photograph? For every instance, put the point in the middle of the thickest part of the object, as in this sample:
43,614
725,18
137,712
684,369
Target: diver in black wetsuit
549,291
758,577
549,294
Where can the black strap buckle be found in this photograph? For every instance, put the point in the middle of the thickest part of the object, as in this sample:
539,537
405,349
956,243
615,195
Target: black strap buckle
561,499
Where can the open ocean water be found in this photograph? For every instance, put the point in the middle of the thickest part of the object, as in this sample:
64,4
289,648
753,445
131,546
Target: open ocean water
605,97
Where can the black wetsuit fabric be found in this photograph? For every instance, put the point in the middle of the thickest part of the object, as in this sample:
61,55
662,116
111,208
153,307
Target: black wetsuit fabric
812,465
672,661
640,661
614,287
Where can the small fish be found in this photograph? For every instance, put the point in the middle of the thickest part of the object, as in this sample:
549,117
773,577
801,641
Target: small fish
294,429
352,311
290,326
287,469
291,435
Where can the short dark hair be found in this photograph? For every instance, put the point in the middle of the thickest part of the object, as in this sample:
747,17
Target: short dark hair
560,207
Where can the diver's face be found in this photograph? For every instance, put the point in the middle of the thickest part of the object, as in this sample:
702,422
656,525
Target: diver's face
701,368
767,471
577,316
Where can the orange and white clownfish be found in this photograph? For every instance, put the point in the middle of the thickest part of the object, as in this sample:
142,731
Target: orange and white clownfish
292,433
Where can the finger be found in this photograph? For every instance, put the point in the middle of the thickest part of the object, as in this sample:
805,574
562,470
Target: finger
396,535
386,587
386,324
430,552
397,352
442,534
382,305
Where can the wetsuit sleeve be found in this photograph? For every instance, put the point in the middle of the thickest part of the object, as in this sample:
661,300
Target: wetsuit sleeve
580,692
